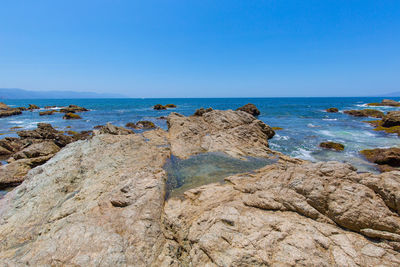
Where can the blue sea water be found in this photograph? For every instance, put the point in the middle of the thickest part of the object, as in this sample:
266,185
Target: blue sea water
305,123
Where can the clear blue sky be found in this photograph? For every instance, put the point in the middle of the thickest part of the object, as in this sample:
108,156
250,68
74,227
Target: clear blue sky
202,48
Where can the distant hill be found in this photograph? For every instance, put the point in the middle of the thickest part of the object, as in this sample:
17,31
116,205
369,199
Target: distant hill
393,94
15,93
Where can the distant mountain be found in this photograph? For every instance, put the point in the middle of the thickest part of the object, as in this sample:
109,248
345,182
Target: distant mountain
15,93
393,94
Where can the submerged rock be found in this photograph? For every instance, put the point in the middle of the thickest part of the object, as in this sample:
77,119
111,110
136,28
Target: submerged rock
332,145
250,108
365,113
332,110
388,159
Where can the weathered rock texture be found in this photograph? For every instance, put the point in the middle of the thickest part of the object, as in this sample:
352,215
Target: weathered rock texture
392,118
96,203
388,159
251,109
287,215
236,133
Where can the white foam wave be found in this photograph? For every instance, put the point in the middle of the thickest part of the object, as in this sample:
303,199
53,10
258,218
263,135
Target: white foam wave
310,125
329,119
281,137
327,133
304,154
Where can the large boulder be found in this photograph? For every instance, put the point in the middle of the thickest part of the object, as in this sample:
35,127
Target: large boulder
250,108
236,133
365,113
392,118
388,159
315,214
96,203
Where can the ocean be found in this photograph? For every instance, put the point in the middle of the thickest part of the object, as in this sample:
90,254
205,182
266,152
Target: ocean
304,121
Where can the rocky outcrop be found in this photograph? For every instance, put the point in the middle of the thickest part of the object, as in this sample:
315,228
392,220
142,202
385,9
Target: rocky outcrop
48,112
201,111
10,112
37,150
392,118
235,133
388,159
365,113
332,145
97,202
112,129
161,107
45,132
71,116
3,106
73,109
250,108
386,102
332,110
33,106
287,215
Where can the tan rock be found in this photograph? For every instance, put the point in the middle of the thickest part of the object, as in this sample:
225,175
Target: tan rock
67,212
236,133
37,150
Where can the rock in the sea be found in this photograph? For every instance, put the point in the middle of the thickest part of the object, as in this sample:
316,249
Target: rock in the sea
250,108
314,214
96,203
170,106
3,106
73,109
386,102
388,159
71,116
332,110
332,145
45,131
201,111
48,112
10,112
112,129
365,113
392,118
159,107
33,106
233,132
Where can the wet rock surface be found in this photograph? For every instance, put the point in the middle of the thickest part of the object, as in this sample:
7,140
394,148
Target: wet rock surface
388,159
332,110
332,145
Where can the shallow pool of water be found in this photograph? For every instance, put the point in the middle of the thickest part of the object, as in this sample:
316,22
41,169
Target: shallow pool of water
206,168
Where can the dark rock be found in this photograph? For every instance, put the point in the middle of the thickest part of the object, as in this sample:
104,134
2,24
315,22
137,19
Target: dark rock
71,116
201,111
332,145
250,108
332,110
162,118
32,107
49,112
159,107
145,125
49,107
131,125
170,106
365,113
73,109
392,118
387,158
10,112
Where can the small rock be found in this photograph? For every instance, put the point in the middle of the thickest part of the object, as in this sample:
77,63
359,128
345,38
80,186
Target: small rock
332,110
332,145
250,108
159,107
170,106
365,113
71,116
32,107
49,112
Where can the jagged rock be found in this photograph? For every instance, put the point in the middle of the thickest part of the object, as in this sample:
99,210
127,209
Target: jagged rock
15,172
71,116
45,131
73,109
392,118
251,109
233,132
332,145
114,130
386,102
365,113
37,150
159,107
48,112
10,112
286,215
201,111
98,202
387,158
32,107
332,110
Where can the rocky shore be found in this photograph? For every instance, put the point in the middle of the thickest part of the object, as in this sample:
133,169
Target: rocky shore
101,201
